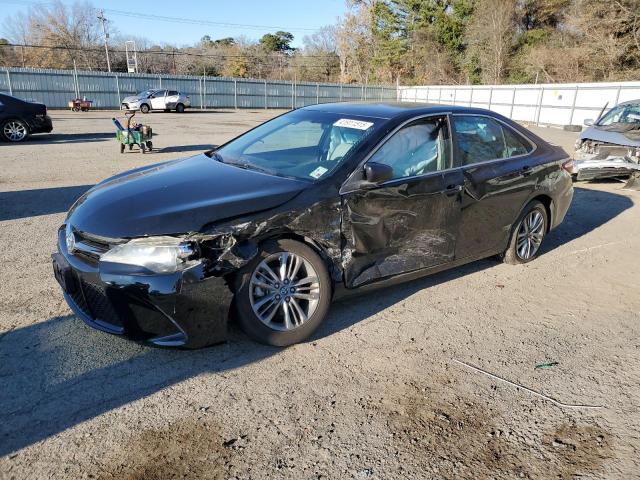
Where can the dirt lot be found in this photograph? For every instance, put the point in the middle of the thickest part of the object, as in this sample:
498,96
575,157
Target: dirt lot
378,393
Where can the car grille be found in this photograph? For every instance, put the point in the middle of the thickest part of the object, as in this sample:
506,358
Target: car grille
89,248
93,301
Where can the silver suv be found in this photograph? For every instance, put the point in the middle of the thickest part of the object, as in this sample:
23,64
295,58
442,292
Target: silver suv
157,100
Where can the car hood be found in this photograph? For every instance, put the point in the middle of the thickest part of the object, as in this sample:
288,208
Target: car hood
626,138
177,197
132,98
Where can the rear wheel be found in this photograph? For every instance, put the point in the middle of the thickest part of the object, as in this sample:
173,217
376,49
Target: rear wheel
284,294
150,145
14,130
528,234
144,108
122,148
180,108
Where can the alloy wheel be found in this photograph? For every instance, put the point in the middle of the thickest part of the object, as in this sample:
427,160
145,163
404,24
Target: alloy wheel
284,291
14,131
530,235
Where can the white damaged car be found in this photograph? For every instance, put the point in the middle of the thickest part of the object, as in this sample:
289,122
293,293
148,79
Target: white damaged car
158,99
610,147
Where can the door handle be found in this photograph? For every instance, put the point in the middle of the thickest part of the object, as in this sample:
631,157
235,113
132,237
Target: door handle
526,170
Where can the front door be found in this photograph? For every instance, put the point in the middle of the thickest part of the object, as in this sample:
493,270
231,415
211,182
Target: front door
409,222
158,100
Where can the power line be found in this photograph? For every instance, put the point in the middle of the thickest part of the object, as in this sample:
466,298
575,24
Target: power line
147,52
167,53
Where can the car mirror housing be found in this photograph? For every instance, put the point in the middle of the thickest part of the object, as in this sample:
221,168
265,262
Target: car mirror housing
588,122
377,173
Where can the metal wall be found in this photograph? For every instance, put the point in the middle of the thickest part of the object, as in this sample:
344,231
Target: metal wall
55,88
552,104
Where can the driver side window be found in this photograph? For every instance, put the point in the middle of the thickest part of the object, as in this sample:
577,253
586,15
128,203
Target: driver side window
418,148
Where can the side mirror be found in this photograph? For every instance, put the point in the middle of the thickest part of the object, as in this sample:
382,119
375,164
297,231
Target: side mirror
588,122
377,172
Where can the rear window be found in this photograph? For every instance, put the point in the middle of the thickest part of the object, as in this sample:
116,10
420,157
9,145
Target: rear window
480,139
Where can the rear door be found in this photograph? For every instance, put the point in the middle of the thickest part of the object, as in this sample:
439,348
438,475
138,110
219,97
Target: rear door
409,222
496,163
172,98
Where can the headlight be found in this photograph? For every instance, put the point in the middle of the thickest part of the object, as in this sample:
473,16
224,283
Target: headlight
578,144
155,254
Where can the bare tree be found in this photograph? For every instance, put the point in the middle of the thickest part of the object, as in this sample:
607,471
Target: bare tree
490,36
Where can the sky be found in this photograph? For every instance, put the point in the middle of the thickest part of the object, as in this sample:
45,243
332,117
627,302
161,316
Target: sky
257,17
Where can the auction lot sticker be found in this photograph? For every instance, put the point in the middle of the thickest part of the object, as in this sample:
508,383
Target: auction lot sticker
349,123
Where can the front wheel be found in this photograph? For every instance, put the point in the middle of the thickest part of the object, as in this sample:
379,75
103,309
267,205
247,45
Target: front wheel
528,234
283,295
180,108
144,108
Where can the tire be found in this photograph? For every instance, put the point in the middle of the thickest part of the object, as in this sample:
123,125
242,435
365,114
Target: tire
14,130
150,146
122,148
286,325
144,108
525,242
124,106
180,108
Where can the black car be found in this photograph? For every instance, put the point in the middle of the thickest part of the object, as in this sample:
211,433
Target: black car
19,119
312,205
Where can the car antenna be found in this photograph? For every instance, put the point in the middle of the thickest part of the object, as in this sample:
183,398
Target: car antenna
601,112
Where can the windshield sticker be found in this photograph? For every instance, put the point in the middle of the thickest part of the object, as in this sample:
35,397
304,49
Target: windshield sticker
318,172
349,123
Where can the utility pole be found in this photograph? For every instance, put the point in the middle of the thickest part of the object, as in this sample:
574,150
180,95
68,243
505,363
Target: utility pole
103,20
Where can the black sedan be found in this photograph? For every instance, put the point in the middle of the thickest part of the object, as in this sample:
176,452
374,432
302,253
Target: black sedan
312,205
19,119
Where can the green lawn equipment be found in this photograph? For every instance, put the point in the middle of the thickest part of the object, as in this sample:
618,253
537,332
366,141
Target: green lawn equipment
133,134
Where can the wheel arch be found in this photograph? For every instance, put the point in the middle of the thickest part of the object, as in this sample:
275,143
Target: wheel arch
16,117
322,251
547,201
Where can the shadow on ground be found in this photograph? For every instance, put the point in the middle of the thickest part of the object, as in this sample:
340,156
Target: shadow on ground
41,201
50,138
58,373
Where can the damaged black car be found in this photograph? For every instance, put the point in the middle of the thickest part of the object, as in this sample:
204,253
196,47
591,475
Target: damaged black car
610,147
313,205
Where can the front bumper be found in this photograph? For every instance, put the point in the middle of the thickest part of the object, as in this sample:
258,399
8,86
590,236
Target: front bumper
587,168
182,309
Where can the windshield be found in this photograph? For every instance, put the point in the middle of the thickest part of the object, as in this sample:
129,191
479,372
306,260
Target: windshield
628,113
146,94
302,144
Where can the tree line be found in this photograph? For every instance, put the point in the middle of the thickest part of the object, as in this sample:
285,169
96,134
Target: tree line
375,41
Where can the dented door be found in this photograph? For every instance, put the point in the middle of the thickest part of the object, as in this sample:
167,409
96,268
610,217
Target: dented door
399,228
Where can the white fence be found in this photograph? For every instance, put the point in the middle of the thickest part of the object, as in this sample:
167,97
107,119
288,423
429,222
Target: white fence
552,104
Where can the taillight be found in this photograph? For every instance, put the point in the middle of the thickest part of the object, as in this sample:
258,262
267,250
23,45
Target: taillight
568,166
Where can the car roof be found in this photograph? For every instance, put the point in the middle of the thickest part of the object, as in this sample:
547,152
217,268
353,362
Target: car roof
630,102
390,110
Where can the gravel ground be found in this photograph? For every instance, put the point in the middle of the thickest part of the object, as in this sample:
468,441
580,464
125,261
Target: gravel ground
378,393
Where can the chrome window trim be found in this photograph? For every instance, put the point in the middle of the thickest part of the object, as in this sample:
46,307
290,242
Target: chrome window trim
446,114
494,160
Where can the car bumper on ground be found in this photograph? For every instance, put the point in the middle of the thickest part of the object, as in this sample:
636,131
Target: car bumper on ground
182,309
585,167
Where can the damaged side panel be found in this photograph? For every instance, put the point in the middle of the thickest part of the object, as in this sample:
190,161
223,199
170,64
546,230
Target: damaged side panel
234,245
398,228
